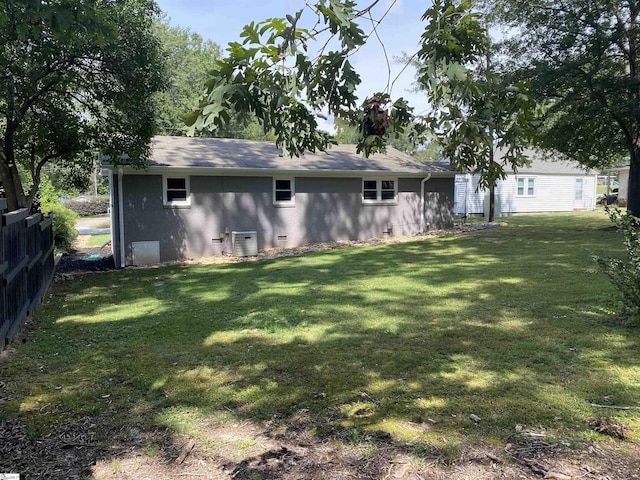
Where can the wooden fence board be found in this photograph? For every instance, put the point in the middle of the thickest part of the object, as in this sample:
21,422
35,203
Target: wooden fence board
26,267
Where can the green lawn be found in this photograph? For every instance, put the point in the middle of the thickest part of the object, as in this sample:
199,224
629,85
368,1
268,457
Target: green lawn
98,240
513,324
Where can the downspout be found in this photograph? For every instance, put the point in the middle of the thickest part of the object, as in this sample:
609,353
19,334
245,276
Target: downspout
121,218
112,211
423,220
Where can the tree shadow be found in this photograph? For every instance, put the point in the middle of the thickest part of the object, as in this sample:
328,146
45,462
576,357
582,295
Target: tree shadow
402,340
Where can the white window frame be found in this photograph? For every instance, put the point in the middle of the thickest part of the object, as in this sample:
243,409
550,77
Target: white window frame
165,188
379,189
285,203
527,181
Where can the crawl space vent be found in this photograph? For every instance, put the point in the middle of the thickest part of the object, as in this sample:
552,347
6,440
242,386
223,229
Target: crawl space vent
145,253
245,244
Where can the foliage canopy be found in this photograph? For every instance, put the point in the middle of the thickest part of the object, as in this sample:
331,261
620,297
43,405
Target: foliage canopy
581,59
274,74
74,76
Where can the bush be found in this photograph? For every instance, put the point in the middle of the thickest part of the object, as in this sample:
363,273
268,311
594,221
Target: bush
625,274
64,224
64,219
95,206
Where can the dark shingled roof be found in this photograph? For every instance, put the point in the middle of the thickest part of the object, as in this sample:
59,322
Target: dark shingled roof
550,163
245,155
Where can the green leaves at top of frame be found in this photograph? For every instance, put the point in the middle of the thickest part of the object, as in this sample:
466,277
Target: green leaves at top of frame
454,33
340,16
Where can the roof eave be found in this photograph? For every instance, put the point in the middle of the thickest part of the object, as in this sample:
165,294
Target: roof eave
255,172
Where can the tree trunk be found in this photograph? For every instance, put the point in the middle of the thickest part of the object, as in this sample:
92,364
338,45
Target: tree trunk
492,202
633,191
492,188
10,191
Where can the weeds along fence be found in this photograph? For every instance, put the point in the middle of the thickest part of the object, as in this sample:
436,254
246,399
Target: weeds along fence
26,267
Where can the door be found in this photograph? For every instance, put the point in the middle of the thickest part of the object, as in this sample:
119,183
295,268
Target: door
578,198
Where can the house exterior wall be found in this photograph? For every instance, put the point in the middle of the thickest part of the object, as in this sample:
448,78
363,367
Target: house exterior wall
553,193
623,184
325,209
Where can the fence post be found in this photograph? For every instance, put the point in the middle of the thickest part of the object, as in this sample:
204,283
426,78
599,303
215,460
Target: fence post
4,321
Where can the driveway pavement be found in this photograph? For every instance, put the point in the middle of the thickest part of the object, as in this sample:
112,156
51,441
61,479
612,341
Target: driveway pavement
89,226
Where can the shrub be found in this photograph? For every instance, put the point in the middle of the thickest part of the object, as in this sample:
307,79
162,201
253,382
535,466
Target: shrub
64,225
95,206
625,273
64,219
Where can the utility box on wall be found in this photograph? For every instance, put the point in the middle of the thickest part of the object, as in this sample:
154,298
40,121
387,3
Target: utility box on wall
244,244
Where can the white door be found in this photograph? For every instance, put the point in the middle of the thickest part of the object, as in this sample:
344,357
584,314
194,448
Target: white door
578,198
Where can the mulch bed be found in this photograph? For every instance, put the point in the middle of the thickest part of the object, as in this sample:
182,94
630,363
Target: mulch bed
78,261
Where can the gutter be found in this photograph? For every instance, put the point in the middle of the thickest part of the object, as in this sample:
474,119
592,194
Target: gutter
423,220
121,218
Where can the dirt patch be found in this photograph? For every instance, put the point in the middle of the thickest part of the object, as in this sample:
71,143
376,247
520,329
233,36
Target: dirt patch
248,451
89,447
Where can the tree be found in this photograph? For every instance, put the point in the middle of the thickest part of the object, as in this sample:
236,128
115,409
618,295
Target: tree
74,76
187,58
273,75
429,151
581,59
475,110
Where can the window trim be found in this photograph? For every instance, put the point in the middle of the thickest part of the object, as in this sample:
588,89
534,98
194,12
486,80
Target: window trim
379,189
176,203
525,190
285,203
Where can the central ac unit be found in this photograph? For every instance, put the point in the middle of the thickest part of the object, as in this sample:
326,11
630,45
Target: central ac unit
244,244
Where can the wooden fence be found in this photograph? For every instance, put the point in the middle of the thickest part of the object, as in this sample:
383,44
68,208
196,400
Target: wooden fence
26,267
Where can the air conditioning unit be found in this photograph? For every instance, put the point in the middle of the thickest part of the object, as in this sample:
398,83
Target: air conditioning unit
244,244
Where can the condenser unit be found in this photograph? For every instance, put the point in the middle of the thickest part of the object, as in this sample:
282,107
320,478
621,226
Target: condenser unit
244,244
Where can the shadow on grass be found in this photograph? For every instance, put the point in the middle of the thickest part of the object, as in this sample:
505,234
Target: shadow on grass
399,343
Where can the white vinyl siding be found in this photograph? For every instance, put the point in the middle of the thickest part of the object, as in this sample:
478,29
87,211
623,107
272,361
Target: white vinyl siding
553,193
468,199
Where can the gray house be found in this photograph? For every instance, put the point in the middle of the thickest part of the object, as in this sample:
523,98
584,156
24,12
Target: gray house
204,196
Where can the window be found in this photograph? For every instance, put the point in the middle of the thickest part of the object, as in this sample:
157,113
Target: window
283,192
526,187
176,192
383,190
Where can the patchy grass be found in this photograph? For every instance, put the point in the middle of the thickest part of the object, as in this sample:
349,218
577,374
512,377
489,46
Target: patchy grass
402,342
98,240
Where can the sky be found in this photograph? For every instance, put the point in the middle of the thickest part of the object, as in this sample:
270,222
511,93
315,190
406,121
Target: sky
222,20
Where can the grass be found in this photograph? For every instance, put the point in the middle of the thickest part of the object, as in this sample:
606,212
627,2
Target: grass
514,325
98,240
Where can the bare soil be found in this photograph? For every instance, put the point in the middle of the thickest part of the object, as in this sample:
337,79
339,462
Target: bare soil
90,447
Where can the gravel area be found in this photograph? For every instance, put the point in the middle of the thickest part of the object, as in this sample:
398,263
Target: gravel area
86,259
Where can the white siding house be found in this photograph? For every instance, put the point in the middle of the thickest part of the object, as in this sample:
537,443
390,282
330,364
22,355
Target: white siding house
545,185
623,182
